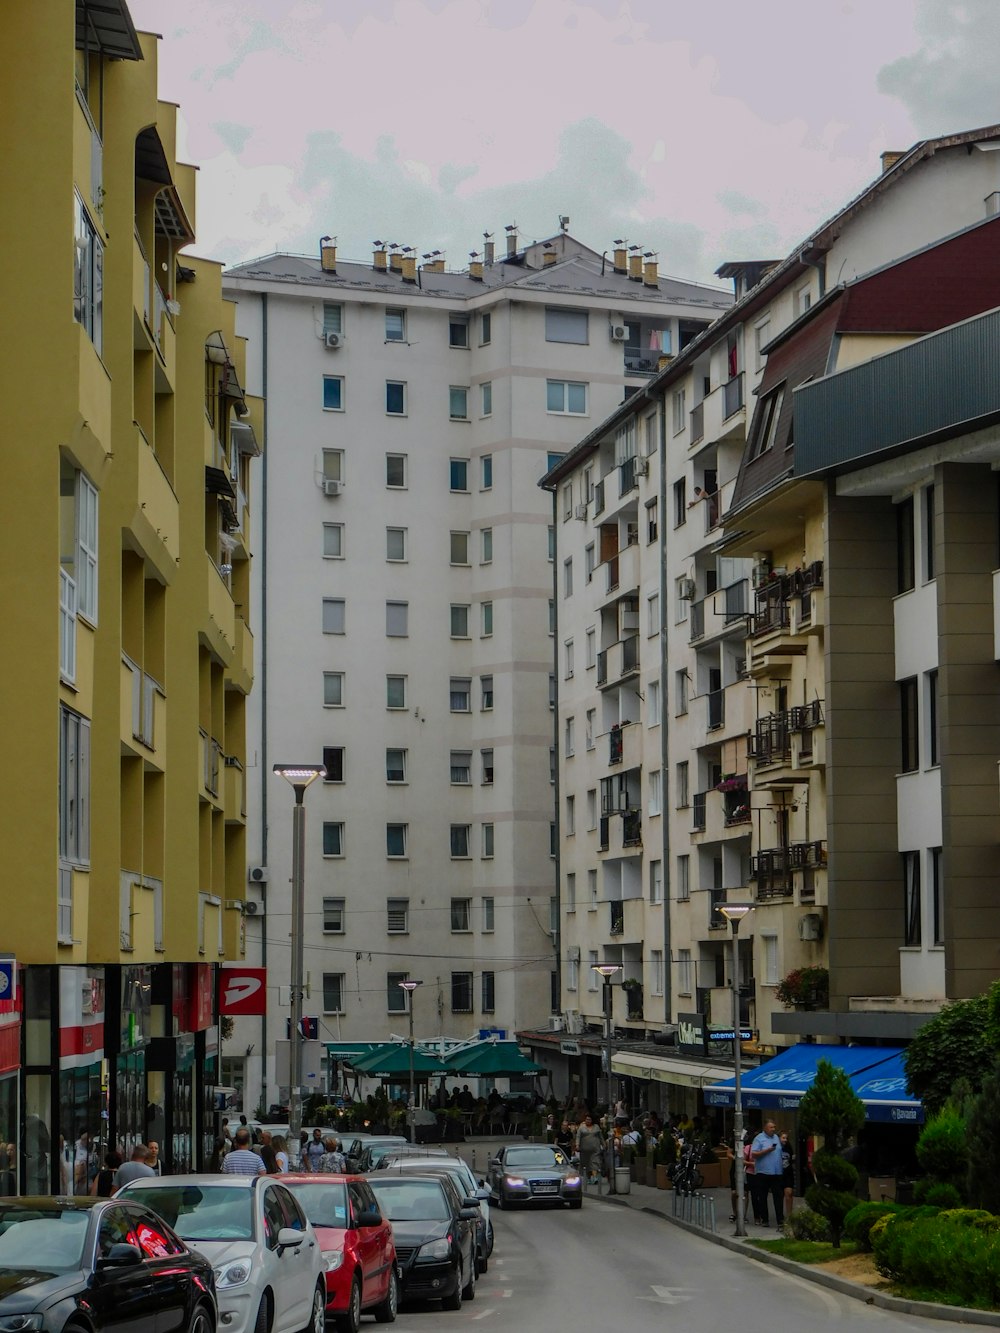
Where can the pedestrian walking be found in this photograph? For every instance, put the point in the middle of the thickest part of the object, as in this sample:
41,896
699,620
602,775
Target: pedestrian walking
590,1146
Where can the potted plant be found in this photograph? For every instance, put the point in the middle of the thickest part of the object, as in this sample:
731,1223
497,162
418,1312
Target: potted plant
804,988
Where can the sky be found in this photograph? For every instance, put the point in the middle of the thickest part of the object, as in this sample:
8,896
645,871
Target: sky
705,131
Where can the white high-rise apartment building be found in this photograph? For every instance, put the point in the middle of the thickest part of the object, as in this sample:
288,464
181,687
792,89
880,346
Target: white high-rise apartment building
404,580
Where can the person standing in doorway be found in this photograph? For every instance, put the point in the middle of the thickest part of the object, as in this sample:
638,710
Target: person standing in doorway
768,1175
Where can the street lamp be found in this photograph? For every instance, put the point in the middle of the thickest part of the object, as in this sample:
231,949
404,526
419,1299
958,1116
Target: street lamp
299,776
734,914
410,986
607,971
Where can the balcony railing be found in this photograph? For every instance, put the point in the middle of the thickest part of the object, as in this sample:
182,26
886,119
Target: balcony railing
626,477
771,740
641,360
617,925
807,855
599,498
698,803
616,745
737,603
602,667
732,396
697,621
771,872
632,828
736,807
604,833
630,653
613,573
771,611
716,709
697,423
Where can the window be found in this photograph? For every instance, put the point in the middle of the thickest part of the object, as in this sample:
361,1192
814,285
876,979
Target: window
937,904
656,969
461,767
572,973
656,881
681,691
589,559
333,393
568,651
395,398
592,890
459,842
909,725
458,403
803,300
333,916
395,996
569,743
486,693
652,525
680,502
333,465
568,397
333,318
551,459
552,763
88,276
928,533
653,703
487,757
395,471
767,415
761,337
395,691
565,326
552,616
770,950
488,845
458,474
395,840
593,978
397,917
333,839
570,828
678,411
395,326
74,787
552,690
654,793
591,643
552,838
395,765
333,541
486,472
568,577
684,971
911,899
333,762
461,992
592,808
552,543
333,689
486,546
461,914
489,998
905,546
459,621
333,992
458,331
333,615
459,693
85,572
683,878
591,720
571,892
681,600
459,548
486,399
932,718
485,328
683,793
653,615
395,544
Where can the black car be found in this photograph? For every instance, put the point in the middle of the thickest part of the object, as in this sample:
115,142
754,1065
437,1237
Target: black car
435,1231
466,1184
98,1264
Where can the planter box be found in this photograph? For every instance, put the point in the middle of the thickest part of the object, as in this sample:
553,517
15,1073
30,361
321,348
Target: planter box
712,1173
663,1181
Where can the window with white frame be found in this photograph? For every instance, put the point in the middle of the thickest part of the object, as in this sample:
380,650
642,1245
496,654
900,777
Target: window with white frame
567,500
395,545
571,891
486,755
591,647
653,615
395,764
681,785
656,972
395,326
461,915
458,402
591,723
566,397
572,973
459,841
460,765
681,691
678,410
568,657
486,693
570,816
395,398
333,541
488,846
395,841
459,548
395,996
395,472
588,484
397,916
656,881
74,787
395,692
333,763
486,399
568,577
458,475
486,472
459,621
769,944
486,546
652,522
333,465
566,326
458,330
653,703
333,992
397,619
486,620
333,317
681,601
683,878
649,429
761,337
654,793
592,808
569,745
488,992
333,393
552,543
485,328
684,971
85,571
333,615
333,916
333,838
589,561
592,890
333,689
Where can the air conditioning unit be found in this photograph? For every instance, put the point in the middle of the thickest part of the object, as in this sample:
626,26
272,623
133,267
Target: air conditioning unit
332,487
333,341
251,908
258,874
619,333
686,589
811,926
641,466
556,1023
574,1022
580,511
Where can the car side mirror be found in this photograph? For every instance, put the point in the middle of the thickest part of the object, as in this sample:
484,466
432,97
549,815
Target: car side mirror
482,1192
288,1237
368,1217
120,1255
494,1161
469,1214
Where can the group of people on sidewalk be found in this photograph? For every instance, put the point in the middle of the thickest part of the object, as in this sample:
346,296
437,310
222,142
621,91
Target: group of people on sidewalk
769,1166
243,1153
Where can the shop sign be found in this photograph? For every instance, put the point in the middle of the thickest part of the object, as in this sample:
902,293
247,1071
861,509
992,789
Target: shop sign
691,1034
569,1048
243,991
8,979
726,1034
200,1006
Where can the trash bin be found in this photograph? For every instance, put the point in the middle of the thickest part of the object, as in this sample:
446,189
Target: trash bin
623,1181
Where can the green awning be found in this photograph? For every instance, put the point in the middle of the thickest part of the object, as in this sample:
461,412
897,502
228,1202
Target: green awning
393,1059
492,1059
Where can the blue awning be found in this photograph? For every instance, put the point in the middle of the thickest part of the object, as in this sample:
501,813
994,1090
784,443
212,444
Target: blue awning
876,1074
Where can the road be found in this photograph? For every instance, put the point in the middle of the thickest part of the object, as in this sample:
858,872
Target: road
609,1267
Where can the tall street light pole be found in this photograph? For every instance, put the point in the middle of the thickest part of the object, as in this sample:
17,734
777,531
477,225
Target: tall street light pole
410,986
734,914
299,776
607,971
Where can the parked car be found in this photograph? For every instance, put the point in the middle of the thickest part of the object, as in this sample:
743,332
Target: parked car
357,1245
533,1173
467,1184
356,1143
269,1272
98,1264
374,1154
434,1230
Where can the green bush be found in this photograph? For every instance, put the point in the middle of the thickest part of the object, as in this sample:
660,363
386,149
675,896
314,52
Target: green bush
860,1220
971,1217
950,1253
807,1225
941,1195
943,1152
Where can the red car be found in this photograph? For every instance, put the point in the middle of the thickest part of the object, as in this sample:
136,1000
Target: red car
357,1246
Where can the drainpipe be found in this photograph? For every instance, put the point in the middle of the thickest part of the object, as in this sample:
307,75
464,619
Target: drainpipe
555,742
665,783
264,767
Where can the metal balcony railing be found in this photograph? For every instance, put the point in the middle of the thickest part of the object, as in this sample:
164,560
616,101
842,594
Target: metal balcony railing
626,477
617,924
697,423
630,653
602,667
772,873
737,602
807,855
771,611
716,709
616,745
771,740
732,396
632,828
604,833
697,621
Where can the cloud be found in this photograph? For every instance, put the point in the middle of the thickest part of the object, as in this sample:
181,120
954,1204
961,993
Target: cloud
950,82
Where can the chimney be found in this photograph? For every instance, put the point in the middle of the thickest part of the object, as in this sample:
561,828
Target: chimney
890,158
380,260
475,267
408,268
620,264
395,261
511,240
635,267
328,254
433,266
650,276
488,248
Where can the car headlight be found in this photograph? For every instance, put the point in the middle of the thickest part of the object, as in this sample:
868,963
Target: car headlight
333,1260
436,1249
572,1181
516,1181
16,1323
233,1274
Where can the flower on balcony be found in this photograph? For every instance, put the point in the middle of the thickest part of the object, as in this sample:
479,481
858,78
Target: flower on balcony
804,988
732,782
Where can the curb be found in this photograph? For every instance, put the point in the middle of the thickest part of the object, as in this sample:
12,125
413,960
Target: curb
959,1314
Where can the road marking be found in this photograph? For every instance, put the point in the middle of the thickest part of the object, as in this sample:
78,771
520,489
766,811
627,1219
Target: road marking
484,1314
670,1295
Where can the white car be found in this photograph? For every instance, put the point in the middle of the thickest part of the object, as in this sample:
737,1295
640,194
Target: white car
269,1270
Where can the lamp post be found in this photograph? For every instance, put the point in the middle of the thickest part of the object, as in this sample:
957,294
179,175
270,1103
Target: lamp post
607,971
299,776
734,914
410,986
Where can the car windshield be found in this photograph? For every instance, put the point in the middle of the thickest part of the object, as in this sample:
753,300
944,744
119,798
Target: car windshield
539,1156
412,1200
200,1212
325,1204
52,1240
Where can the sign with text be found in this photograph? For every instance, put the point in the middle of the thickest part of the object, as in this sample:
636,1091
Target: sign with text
312,1067
727,1034
242,991
691,1034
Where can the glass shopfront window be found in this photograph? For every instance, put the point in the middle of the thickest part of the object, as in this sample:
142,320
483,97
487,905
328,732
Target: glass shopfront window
83,1139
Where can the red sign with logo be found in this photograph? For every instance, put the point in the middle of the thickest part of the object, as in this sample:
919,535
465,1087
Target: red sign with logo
200,1004
242,991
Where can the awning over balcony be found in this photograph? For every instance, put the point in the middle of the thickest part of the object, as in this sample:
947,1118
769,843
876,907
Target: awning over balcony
876,1074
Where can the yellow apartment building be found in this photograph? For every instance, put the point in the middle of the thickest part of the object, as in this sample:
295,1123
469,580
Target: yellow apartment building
126,657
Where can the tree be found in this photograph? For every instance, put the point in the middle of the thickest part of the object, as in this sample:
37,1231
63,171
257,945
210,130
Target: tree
832,1108
954,1044
943,1151
983,1139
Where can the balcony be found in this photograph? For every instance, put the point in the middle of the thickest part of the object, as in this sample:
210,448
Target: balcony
732,396
599,498
618,662
211,763
622,572
219,633
156,522
234,794
143,713
641,360
620,834
716,709
697,423
626,477
808,855
242,668
771,873
771,740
